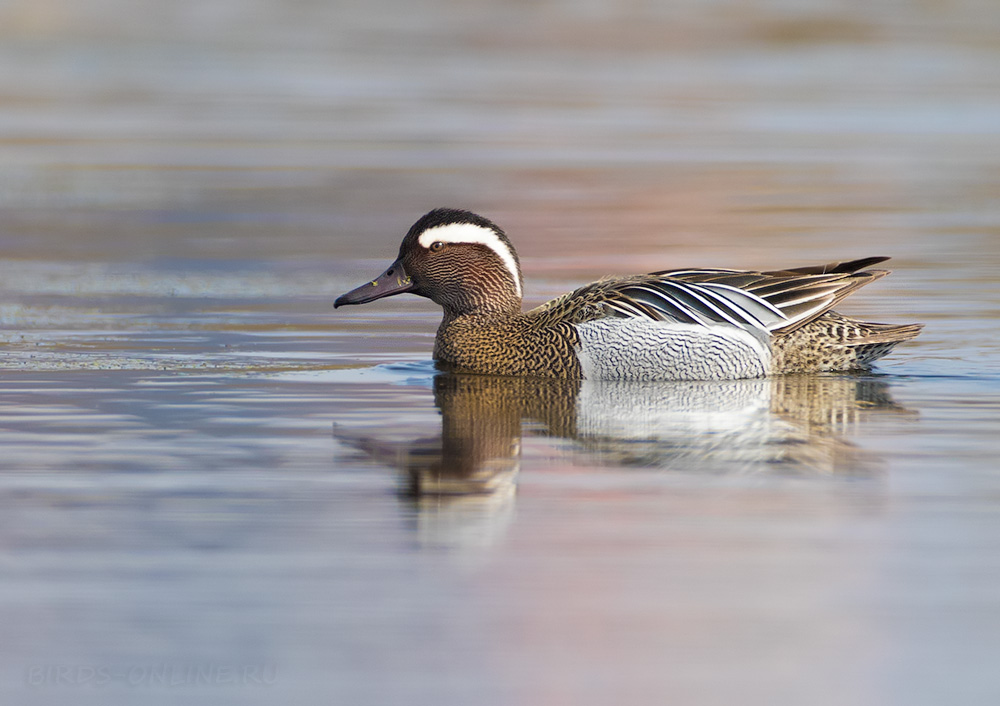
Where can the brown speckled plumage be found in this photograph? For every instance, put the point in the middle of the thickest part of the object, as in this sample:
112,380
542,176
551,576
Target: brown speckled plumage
466,264
517,345
834,342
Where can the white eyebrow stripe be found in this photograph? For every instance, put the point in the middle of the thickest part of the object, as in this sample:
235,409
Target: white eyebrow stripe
476,235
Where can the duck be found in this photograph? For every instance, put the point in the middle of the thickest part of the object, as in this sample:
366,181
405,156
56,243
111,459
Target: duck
681,324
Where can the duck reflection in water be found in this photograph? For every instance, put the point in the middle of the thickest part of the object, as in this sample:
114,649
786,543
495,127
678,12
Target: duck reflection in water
785,425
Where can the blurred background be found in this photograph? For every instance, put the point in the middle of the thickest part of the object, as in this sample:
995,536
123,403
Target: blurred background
320,130
186,186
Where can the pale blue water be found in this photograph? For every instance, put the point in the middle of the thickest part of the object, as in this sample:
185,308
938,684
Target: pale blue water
216,489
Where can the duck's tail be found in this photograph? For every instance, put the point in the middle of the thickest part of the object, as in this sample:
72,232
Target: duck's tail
872,341
835,342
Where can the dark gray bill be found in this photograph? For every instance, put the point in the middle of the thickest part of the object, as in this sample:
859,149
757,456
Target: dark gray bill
393,281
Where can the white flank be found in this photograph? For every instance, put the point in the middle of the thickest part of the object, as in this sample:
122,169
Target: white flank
477,235
638,349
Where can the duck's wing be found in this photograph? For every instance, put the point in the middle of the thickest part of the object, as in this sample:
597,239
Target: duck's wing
772,302
800,294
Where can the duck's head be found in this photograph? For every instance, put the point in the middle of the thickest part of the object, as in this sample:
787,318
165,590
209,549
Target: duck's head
460,260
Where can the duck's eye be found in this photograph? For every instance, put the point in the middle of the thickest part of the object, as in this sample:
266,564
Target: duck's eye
436,246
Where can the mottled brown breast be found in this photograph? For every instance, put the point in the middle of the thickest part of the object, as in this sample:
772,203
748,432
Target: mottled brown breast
507,346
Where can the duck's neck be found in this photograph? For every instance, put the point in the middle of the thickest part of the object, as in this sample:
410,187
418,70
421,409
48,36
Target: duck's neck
486,311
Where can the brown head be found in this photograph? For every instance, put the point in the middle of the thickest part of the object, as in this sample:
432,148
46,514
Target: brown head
460,260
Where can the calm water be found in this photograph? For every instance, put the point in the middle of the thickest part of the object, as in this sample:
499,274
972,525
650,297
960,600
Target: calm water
215,489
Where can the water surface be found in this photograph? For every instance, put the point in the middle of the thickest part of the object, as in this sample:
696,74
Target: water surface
216,489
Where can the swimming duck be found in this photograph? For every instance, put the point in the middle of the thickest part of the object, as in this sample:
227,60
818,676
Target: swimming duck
692,324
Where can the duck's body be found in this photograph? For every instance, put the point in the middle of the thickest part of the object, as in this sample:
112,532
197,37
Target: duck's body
573,337
672,325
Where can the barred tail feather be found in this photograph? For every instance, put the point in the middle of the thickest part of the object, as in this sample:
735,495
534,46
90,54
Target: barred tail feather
834,342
